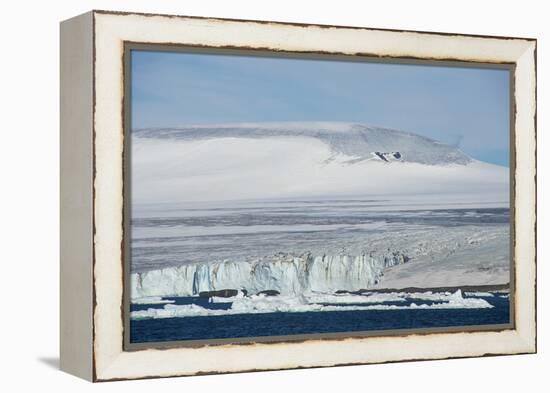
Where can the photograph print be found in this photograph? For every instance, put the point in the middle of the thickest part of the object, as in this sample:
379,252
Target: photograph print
279,197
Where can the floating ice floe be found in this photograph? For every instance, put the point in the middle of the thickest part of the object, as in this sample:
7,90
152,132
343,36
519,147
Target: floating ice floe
479,294
346,298
259,304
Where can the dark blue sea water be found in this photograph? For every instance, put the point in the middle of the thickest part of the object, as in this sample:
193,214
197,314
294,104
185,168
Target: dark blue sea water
283,323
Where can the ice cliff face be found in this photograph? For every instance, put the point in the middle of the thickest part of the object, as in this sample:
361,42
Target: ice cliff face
355,140
291,276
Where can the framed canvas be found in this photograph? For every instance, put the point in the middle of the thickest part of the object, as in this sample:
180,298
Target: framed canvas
247,195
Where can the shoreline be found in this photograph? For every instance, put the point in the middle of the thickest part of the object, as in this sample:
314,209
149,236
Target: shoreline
229,293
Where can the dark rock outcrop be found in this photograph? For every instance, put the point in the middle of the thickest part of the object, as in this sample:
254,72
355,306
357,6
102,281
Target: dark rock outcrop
269,292
220,293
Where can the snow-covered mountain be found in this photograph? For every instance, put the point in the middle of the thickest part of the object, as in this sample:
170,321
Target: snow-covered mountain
359,142
296,160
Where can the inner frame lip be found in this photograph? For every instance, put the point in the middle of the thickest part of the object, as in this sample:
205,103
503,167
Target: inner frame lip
129,46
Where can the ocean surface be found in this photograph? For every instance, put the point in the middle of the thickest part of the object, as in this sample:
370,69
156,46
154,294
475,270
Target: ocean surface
292,323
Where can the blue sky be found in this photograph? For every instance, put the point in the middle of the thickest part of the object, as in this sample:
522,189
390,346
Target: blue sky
465,106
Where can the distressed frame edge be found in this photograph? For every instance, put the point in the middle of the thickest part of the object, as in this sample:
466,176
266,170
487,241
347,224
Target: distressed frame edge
76,196
528,339
526,179
304,24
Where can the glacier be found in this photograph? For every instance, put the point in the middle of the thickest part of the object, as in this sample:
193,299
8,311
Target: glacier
288,276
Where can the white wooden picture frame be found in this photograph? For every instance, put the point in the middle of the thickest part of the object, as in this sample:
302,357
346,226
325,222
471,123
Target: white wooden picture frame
92,194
